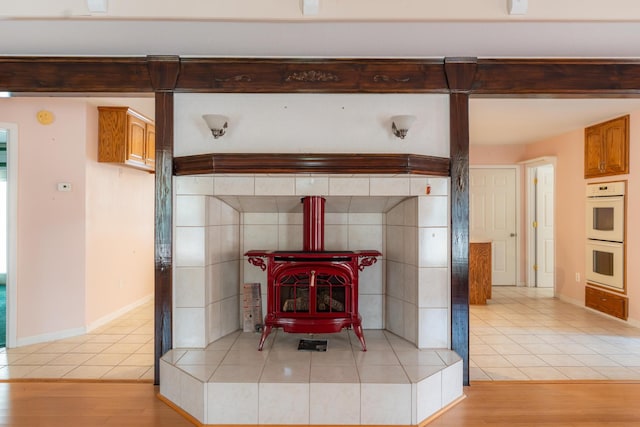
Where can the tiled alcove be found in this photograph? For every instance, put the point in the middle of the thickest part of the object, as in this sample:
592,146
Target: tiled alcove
219,217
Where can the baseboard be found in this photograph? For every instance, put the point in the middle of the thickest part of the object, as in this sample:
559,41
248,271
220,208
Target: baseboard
68,333
114,315
51,336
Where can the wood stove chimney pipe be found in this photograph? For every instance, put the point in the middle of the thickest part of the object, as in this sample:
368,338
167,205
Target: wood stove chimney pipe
313,223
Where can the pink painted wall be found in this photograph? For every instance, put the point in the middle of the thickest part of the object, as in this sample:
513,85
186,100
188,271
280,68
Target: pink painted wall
570,206
51,246
58,292
119,225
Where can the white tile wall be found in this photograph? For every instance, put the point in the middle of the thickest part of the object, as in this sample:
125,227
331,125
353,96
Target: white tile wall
270,403
209,240
351,186
433,328
189,327
232,403
433,247
234,186
190,211
190,247
434,211
194,185
337,404
434,287
189,287
192,396
429,394
385,404
451,383
389,186
312,186
275,186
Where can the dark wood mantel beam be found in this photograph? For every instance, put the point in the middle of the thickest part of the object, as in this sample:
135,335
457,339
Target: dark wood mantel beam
311,163
560,77
75,74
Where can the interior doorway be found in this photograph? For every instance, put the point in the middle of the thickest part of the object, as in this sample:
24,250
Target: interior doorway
3,236
493,216
8,226
540,223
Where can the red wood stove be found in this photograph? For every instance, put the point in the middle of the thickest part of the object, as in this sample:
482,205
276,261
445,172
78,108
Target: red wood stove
313,290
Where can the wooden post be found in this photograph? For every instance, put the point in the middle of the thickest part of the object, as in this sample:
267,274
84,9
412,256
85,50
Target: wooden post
460,74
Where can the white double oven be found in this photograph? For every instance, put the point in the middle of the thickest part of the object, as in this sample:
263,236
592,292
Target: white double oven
605,220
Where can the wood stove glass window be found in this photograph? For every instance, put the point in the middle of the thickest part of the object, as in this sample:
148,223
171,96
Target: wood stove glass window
313,291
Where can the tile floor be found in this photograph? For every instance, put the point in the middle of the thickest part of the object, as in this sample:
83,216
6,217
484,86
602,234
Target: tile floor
119,350
526,334
521,334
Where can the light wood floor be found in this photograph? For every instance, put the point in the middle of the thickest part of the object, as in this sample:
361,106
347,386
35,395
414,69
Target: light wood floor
520,404
495,404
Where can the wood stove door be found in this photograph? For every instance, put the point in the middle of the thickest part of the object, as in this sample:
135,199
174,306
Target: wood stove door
313,290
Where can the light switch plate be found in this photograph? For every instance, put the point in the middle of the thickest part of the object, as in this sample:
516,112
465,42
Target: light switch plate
97,6
310,7
517,7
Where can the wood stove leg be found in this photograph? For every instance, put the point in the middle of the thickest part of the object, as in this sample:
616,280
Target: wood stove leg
266,330
358,330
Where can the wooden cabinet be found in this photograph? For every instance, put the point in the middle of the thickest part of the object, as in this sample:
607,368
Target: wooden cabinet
606,302
479,272
126,137
606,148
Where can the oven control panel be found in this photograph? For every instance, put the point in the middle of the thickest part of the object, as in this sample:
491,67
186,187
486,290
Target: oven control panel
606,189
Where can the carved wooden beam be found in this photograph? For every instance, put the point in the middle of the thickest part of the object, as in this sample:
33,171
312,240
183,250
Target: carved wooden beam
321,75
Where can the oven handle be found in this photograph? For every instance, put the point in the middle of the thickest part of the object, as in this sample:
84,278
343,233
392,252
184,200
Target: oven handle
605,198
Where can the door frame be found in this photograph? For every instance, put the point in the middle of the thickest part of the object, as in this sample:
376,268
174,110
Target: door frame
517,172
530,207
12,232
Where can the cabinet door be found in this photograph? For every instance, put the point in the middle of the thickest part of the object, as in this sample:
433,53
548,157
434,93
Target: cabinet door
593,152
150,148
136,139
616,147
606,148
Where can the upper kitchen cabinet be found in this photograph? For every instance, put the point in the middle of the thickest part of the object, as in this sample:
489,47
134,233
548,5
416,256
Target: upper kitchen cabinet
126,137
606,148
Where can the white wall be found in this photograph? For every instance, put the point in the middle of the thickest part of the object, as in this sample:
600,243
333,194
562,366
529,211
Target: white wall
312,123
207,270
417,268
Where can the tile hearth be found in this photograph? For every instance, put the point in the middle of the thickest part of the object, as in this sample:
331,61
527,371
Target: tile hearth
230,382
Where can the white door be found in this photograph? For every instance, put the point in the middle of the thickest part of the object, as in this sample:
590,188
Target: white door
492,216
544,263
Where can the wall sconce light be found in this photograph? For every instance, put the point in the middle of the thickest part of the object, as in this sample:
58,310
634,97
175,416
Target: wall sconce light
400,125
217,124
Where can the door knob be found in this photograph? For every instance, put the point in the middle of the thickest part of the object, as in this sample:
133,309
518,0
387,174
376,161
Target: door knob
512,235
